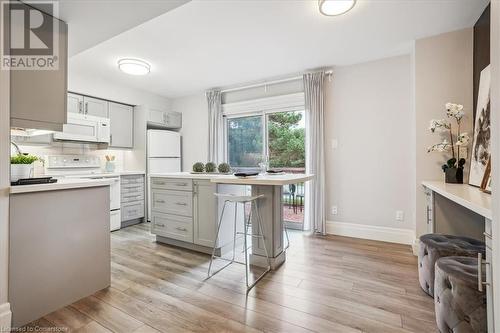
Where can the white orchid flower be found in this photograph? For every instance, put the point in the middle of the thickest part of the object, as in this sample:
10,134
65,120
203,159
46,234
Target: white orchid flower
463,139
439,124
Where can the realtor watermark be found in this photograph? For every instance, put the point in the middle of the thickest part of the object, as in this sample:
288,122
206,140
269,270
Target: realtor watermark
29,35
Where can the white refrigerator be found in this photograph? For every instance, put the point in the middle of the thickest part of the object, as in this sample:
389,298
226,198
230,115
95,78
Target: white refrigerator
163,154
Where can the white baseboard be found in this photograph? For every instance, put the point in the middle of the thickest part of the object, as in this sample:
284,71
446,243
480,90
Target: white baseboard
364,231
415,246
5,317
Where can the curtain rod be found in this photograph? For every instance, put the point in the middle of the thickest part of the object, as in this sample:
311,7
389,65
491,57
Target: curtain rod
328,73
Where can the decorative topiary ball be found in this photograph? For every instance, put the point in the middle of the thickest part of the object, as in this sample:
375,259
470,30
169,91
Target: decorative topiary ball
224,168
198,167
210,167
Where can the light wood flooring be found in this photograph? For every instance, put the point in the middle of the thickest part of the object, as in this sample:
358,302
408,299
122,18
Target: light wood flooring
328,284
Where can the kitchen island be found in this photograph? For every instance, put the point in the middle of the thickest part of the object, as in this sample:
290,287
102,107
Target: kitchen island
59,249
185,212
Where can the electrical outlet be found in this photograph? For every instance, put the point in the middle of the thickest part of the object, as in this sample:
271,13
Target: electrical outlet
334,210
400,215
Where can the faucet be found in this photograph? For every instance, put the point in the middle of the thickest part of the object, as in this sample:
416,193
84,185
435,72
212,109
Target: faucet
17,147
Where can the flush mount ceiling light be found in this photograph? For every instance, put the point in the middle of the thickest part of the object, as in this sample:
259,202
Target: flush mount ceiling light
335,7
134,66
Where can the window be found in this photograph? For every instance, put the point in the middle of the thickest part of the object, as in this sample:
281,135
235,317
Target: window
245,141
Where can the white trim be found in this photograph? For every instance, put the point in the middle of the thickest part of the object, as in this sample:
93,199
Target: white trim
372,232
282,103
5,317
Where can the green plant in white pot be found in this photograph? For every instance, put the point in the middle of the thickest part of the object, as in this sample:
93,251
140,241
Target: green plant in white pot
21,166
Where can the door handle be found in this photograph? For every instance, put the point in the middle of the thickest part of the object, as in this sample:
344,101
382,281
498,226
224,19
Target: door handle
480,263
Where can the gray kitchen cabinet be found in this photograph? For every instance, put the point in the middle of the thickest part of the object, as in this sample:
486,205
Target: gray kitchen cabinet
45,106
75,103
204,213
132,199
164,119
122,125
95,107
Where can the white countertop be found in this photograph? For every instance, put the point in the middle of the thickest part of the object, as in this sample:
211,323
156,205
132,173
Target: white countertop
99,174
282,179
62,184
465,195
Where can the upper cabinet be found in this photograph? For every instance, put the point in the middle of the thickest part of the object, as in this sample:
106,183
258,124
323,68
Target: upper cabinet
38,97
75,103
121,117
95,107
165,119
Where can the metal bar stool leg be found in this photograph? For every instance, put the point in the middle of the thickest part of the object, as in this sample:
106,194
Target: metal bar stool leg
215,244
287,238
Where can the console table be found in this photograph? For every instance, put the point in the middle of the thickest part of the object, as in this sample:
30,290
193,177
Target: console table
476,201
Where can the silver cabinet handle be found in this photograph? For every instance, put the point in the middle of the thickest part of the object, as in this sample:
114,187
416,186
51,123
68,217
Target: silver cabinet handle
428,215
480,263
181,184
181,229
159,183
160,225
487,235
86,107
111,139
160,201
80,107
181,203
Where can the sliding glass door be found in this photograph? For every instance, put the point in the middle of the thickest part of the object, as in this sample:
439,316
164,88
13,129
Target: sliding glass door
278,139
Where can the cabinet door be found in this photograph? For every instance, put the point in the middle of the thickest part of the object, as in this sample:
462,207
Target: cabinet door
122,125
205,217
95,107
38,97
156,116
75,103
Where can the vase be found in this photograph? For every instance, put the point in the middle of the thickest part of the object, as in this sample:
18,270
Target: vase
454,175
20,171
110,166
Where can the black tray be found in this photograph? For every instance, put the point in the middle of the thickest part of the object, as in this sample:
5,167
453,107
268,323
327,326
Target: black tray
34,181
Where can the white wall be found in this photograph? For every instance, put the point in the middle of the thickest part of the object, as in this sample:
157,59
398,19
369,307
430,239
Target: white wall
5,314
194,128
369,112
443,73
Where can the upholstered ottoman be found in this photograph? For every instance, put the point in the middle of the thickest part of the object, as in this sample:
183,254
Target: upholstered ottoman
459,306
435,246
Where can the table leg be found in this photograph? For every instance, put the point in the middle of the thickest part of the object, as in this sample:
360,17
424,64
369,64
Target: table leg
271,212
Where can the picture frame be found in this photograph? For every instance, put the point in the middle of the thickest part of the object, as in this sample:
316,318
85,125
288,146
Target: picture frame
486,182
482,136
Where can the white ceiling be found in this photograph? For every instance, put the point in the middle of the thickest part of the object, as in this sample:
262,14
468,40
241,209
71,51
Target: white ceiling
94,21
213,43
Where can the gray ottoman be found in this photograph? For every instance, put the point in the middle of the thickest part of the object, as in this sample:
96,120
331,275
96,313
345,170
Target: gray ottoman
460,307
435,246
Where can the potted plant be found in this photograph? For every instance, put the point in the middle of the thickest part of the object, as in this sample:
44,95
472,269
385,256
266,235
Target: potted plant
224,168
198,167
210,167
454,167
21,166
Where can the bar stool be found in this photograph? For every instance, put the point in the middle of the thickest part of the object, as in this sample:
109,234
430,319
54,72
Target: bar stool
229,198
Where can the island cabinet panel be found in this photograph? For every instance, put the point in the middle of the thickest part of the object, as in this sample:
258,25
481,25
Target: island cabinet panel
172,226
172,202
204,213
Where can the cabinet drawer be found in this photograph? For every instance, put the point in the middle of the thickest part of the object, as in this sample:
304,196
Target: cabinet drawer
172,184
132,211
129,197
132,179
172,202
136,188
172,226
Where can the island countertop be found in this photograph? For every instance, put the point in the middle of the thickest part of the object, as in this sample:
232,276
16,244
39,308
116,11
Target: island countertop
268,179
62,184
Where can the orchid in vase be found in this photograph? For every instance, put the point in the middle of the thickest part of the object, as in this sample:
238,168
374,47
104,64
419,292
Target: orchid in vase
454,167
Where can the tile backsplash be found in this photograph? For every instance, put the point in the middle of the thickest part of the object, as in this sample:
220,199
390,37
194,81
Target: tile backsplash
70,148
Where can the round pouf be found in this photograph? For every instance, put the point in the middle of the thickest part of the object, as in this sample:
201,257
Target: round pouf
435,246
459,306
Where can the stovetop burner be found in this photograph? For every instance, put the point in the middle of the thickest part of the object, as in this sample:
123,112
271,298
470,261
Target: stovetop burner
34,181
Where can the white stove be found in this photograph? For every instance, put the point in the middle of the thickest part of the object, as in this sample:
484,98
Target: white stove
86,167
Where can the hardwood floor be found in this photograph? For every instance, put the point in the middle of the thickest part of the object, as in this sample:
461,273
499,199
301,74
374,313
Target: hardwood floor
328,284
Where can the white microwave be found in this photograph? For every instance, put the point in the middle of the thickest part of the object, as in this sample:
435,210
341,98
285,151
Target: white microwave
85,128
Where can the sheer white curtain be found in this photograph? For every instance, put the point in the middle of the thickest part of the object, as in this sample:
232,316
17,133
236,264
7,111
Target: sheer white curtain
215,124
315,150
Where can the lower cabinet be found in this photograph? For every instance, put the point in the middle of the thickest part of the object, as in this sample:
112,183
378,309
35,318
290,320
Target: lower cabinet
188,214
132,199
